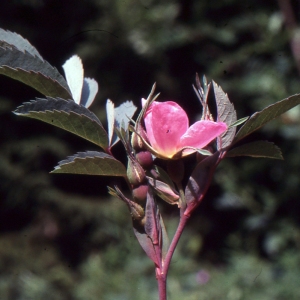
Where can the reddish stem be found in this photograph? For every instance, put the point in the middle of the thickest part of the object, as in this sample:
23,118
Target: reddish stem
162,284
162,275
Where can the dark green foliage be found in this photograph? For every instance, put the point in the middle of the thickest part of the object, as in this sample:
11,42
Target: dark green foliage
21,61
91,163
66,115
257,149
62,238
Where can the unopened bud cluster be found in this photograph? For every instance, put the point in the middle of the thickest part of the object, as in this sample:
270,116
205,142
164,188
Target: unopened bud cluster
137,165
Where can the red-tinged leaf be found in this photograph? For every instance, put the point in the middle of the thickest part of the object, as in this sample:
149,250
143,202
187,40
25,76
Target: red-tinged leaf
259,119
151,225
257,149
199,182
146,244
91,163
226,114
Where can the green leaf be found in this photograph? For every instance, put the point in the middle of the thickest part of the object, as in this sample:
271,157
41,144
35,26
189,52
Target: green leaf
91,163
33,71
226,114
66,115
11,38
239,122
257,149
271,112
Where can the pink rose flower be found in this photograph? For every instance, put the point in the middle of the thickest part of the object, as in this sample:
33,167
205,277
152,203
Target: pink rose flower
168,130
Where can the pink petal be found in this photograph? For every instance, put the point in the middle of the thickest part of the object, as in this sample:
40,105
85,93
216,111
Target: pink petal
202,133
165,123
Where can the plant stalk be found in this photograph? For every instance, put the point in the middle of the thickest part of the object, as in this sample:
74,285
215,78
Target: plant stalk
162,275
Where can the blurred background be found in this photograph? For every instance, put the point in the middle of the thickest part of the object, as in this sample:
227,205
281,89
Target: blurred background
63,238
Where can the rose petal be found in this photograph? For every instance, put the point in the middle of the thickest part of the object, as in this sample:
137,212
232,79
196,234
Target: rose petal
202,133
165,123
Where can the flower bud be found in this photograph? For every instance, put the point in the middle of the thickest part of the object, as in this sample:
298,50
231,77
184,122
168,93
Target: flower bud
145,159
140,193
164,191
135,173
136,211
136,141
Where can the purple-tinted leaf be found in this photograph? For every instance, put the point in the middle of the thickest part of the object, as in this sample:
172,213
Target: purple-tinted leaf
146,243
151,225
226,114
91,163
256,149
33,71
199,182
269,113
67,115
153,238
164,241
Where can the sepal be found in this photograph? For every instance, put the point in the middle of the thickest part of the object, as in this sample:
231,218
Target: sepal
164,191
